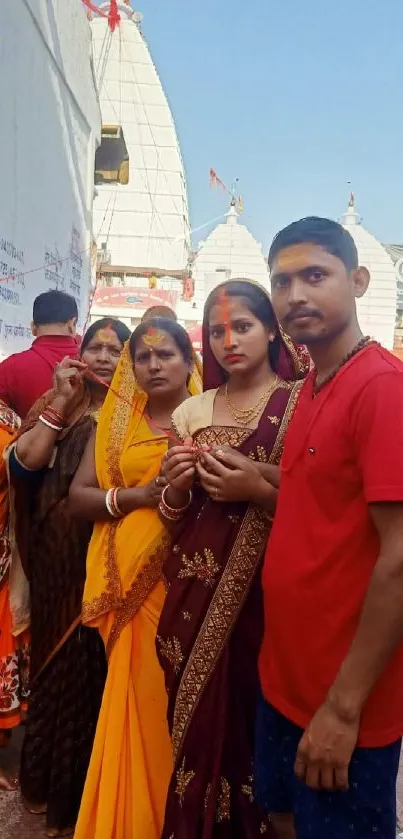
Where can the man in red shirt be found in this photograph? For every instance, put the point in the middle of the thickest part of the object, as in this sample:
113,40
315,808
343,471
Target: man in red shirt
26,376
331,666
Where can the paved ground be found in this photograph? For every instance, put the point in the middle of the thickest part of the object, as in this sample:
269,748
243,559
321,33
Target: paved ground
16,823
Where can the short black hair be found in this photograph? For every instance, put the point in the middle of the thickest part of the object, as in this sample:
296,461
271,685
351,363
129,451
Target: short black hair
174,329
328,234
121,331
54,307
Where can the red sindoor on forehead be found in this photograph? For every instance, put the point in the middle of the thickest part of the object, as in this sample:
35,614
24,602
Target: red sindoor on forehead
225,314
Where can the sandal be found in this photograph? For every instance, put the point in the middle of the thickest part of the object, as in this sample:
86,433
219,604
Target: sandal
8,783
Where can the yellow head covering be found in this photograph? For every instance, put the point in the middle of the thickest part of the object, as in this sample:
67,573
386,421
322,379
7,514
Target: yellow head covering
121,570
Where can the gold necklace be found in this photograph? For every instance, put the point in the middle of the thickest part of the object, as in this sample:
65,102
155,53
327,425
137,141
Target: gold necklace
244,416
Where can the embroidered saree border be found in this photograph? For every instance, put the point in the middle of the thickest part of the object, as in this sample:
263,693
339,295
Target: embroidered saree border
137,594
111,597
224,609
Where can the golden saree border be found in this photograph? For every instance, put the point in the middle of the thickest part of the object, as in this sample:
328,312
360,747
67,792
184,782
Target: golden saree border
277,449
112,428
142,586
224,609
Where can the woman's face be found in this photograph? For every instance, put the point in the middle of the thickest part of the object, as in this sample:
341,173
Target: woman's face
238,339
159,365
102,354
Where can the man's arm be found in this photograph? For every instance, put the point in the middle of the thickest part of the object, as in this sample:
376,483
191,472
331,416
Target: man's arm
380,629
327,745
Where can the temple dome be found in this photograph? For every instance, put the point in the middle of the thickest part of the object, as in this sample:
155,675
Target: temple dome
229,252
140,206
377,309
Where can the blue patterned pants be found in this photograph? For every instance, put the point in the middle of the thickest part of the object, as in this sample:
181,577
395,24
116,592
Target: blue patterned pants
366,811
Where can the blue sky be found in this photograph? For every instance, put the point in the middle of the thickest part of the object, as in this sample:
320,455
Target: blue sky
293,97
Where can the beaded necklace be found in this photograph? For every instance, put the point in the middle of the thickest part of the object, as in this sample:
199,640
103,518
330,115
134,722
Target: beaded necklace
362,344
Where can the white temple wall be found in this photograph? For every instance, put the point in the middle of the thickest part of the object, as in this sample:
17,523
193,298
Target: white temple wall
50,120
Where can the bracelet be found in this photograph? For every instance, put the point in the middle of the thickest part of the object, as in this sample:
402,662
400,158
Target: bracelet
55,414
114,503
42,418
173,513
111,505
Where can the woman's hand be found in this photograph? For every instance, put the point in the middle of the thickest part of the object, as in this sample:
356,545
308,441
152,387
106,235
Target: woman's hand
232,477
179,467
150,494
68,379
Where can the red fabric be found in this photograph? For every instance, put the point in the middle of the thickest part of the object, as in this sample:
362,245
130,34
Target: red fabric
343,450
26,376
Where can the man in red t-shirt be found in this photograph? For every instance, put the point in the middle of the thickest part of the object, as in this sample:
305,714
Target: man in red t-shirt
331,666
26,376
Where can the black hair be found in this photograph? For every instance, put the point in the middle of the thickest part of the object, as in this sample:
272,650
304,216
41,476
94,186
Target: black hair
174,329
159,311
121,331
54,307
257,301
328,234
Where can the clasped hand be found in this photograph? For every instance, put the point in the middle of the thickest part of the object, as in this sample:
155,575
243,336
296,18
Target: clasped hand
225,474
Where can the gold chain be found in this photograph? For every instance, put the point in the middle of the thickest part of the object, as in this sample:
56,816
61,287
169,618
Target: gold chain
244,416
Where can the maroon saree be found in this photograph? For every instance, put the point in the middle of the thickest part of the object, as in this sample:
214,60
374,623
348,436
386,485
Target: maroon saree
208,643
211,626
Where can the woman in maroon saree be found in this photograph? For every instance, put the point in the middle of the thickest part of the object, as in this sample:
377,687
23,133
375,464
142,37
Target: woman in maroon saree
212,622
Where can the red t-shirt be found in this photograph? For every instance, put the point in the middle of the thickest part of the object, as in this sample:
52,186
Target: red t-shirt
26,376
343,451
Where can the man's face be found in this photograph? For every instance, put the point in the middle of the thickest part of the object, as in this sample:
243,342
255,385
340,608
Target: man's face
313,294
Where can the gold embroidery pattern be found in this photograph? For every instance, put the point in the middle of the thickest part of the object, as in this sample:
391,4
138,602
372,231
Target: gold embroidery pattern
300,359
224,805
277,449
172,651
186,616
183,780
144,583
274,420
247,789
224,608
222,435
233,518
207,797
204,568
260,455
111,598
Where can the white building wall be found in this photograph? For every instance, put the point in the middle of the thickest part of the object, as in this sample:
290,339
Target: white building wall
50,127
377,309
229,252
145,222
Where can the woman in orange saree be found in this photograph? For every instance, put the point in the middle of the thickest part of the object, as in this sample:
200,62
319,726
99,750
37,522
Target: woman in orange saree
13,651
131,764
